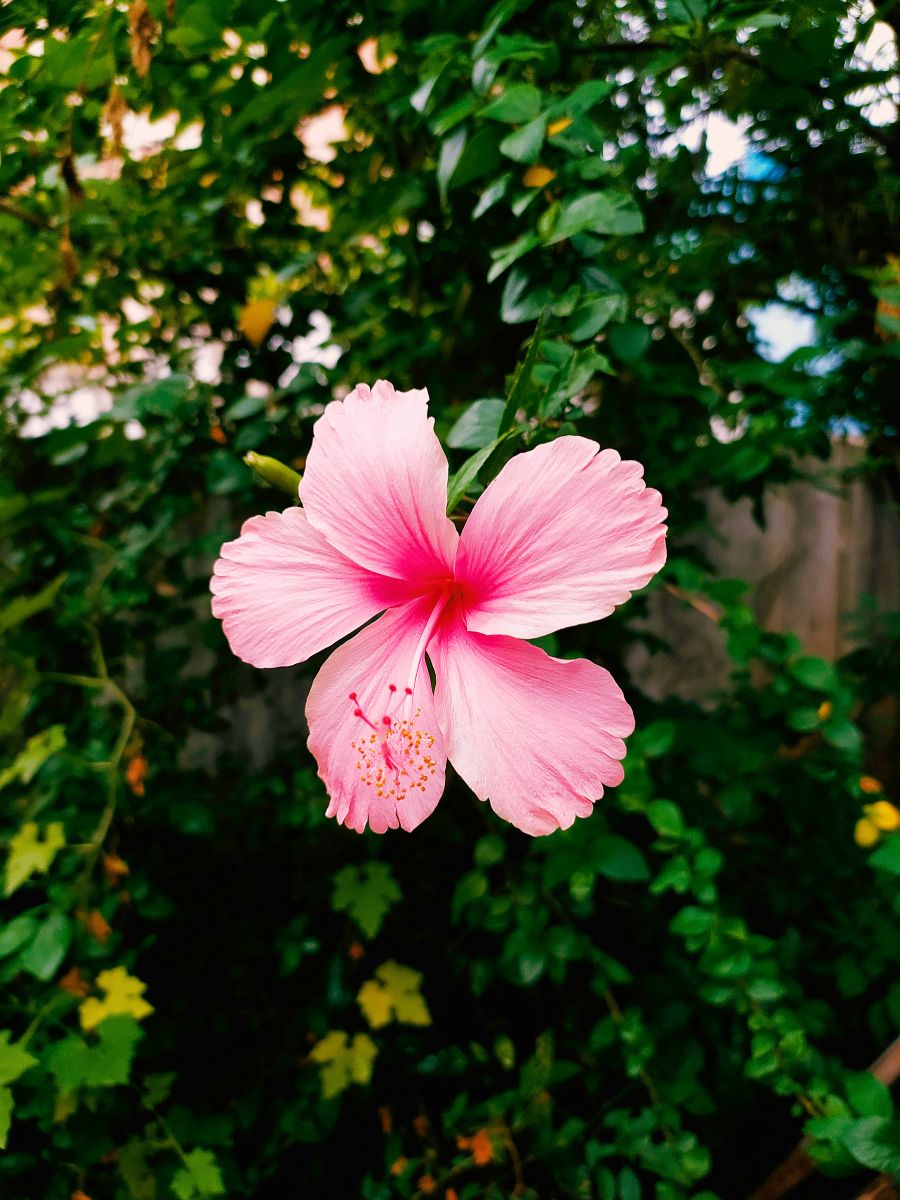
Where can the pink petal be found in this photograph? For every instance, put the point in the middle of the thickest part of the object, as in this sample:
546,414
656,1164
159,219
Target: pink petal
560,537
376,484
283,593
538,737
384,779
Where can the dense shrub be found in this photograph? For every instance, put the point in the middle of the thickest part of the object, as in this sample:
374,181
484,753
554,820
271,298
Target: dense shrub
209,989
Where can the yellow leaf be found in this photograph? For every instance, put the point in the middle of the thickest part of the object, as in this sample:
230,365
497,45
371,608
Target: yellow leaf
256,320
124,994
866,833
28,852
883,815
394,994
65,1106
344,1061
538,177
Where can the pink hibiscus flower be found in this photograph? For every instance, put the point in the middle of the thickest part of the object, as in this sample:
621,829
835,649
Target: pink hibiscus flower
564,533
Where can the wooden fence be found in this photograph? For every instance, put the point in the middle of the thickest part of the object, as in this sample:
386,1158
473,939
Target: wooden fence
827,548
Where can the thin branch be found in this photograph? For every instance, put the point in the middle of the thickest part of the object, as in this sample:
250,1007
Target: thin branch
35,220
879,1189
702,606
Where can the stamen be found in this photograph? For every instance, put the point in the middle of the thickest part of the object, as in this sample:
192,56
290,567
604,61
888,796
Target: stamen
396,760
397,757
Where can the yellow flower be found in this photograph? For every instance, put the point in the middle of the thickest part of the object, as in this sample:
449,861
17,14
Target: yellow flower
558,126
866,833
870,786
538,177
824,711
883,815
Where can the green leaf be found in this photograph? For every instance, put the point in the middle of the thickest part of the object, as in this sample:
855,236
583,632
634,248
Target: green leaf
442,122
480,157
81,63
842,734
13,936
491,196
76,1063
14,1058
657,738
692,921
522,379
629,1185
448,159
247,406
459,483
596,212
24,607
686,12
478,425
518,104
868,1096
200,1176
367,893
666,818
617,858
505,256
43,957
589,318
6,1112
875,1143
155,398
765,991
489,850
887,856
815,673
524,145
521,300
137,1176
583,98
803,720
629,342
225,474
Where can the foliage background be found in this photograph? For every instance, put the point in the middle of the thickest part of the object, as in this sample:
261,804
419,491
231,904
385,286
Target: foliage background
207,989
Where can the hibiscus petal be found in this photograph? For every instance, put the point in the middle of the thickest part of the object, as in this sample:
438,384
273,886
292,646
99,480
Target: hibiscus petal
283,593
377,774
538,737
560,537
376,484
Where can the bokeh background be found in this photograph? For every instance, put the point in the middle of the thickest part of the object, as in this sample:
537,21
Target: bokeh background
669,225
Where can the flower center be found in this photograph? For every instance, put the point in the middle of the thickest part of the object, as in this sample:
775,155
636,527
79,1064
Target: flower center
394,754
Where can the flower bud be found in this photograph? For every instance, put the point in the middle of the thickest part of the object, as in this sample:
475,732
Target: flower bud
274,473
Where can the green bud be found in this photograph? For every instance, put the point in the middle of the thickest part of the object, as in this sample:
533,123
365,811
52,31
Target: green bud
274,473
